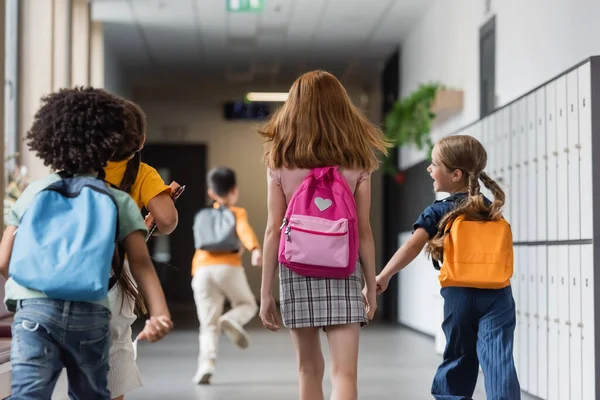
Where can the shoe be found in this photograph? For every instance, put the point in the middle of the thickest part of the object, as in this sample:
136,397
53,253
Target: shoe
235,332
204,373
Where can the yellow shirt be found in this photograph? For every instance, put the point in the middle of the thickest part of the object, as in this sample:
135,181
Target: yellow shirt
247,236
147,185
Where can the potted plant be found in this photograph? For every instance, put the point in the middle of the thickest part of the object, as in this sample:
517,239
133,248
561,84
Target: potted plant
411,118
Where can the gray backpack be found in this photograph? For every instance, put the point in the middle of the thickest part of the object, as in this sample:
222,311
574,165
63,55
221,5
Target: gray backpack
215,230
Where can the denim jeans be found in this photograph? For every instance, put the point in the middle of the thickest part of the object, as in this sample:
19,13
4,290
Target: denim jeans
479,325
49,335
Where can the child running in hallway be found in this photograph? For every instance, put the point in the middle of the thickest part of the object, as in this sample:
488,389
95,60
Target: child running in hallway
479,310
218,273
143,183
59,245
318,142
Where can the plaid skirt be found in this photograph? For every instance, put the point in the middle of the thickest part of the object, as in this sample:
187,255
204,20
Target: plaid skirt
320,302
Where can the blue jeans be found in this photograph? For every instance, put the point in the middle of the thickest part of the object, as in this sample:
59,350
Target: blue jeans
479,325
48,335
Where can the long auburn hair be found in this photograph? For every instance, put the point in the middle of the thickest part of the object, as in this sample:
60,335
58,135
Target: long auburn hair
467,154
319,126
130,149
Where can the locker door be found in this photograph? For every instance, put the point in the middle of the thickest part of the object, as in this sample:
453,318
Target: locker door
524,300
551,143
542,318
587,325
492,146
574,322
486,135
516,295
585,153
563,329
531,167
573,155
532,325
506,164
515,171
542,166
561,134
475,130
524,174
553,323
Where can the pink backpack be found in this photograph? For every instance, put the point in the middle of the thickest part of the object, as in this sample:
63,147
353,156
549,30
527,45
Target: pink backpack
319,235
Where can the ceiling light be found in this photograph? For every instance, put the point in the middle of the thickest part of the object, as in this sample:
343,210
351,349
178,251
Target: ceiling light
267,96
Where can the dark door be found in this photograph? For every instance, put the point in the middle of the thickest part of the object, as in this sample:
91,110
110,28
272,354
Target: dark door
185,164
487,67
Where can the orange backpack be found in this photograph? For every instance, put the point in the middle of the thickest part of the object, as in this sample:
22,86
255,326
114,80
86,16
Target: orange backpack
477,254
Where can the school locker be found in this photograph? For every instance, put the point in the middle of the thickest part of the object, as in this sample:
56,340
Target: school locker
518,344
515,165
532,167
564,358
562,149
574,322
573,155
524,190
552,151
525,322
542,319
484,135
587,323
506,164
553,323
491,146
532,323
542,165
585,152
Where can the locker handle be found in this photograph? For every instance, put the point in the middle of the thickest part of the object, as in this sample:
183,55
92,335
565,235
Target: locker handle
526,163
555,153
566,150
540,121
518,312
556,320
545,157
568,323
535,160
571,107
527,314
578,146
550,117
586,282
546,318
584,102
580,325
574,282
536,316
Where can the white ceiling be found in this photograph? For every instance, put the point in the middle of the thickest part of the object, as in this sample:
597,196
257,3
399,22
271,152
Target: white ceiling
199,39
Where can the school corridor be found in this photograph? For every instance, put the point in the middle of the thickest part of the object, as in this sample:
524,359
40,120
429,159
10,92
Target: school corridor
521,76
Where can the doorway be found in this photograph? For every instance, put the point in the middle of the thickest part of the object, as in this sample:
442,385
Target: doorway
172,255
487,67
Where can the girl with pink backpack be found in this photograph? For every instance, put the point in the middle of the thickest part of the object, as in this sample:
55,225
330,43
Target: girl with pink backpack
320,151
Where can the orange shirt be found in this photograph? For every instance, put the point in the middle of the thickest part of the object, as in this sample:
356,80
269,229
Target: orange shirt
247,236
147,185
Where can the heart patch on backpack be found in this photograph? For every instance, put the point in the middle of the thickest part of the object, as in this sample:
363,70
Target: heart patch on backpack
323,204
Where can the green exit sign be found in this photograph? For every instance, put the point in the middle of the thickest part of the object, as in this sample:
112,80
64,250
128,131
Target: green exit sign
245,5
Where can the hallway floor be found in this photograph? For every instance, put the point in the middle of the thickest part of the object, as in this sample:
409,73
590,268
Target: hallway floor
395,363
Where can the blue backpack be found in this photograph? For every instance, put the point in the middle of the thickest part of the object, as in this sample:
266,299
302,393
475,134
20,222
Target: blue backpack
66,240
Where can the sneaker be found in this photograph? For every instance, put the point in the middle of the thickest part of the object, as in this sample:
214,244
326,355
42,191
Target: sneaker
204,373
235,332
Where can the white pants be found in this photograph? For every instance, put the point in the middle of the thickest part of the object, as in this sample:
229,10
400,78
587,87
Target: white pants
211,286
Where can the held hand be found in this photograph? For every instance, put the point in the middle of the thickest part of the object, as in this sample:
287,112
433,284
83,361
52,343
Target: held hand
156,328
382,283
268,313
257,258
370,297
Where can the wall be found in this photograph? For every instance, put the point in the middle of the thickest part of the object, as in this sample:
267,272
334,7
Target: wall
196,114
535,41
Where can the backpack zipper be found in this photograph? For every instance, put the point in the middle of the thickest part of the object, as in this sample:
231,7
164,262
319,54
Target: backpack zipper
285,221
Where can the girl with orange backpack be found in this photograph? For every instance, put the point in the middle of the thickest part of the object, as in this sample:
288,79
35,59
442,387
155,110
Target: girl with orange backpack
467,233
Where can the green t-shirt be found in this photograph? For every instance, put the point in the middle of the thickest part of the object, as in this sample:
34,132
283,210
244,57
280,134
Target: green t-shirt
130,220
